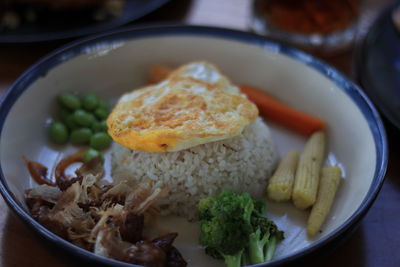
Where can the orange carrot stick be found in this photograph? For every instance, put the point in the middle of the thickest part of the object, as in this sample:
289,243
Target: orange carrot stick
281,113
158,73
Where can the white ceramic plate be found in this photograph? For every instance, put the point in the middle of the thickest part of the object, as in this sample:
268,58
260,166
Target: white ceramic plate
113,64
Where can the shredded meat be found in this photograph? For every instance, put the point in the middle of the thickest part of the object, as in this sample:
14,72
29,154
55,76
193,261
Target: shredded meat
145,253
38,172
165,242
108,219
131,228
175,259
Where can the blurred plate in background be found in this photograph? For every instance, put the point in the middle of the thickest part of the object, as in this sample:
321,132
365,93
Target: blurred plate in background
64,25
378,64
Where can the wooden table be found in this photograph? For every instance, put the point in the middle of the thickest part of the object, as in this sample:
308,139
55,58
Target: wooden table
374,243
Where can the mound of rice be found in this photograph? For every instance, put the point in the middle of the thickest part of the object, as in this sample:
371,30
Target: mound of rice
242,163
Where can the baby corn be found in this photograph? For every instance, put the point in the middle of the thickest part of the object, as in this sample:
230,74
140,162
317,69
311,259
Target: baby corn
281,183
330,180
308,172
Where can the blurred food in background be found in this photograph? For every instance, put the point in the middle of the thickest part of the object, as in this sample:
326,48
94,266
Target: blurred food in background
314,25
13,13
310,16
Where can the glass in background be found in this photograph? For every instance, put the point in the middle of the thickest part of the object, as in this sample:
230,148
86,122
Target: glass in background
316,25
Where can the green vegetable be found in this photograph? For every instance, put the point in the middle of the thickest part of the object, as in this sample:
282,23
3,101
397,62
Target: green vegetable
83,118
64,113
100,141
101,113
90,102
99,126
103,104
233,227
69,100
70,122
81,136
93,118
58,133
91,154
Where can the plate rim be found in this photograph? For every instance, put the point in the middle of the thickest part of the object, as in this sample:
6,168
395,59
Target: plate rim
76,48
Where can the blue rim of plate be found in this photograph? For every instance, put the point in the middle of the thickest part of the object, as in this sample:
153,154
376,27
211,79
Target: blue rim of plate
128,34
133,10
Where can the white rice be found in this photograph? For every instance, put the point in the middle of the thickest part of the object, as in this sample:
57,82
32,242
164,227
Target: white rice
242,163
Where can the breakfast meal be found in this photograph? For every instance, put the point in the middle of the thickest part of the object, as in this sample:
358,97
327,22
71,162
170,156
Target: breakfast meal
190,145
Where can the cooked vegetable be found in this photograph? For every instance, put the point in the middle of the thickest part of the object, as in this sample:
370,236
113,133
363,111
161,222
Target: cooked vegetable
91,154
233,228
64,113
281,113
58,133
70,122
90,102
81,136
263,241
158,73
280,185
99,126
69,101
103,104
330,180
308,172
100,141
83,118
101,113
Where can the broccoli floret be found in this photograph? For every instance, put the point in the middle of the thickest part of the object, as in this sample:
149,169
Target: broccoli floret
235,260
259,208
232,227
225,225
263,241
204,208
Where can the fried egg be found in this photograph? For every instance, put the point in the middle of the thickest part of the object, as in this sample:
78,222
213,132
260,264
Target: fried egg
195,105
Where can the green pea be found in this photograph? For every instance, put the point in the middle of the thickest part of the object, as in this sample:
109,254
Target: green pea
103,104
101,113
90,102
100,141
91,154
81,136
93,118
64,114
99,126
83,118
69,100
70,122
58,133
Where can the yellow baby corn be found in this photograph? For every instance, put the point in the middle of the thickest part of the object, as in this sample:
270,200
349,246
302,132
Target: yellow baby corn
281,183
330,180
308,172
